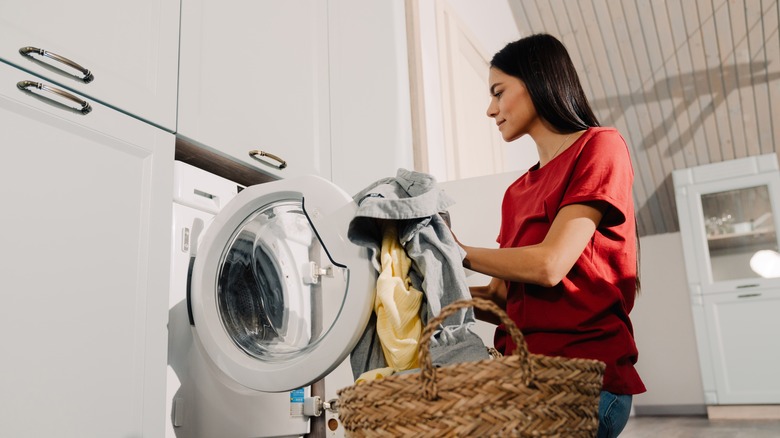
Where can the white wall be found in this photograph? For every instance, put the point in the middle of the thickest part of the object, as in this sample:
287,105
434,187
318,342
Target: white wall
663,328
494,30
491,22
492,25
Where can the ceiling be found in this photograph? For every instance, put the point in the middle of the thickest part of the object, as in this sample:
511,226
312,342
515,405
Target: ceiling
686,82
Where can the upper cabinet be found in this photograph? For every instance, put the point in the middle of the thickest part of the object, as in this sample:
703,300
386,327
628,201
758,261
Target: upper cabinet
371,122
254,77
312,87
123,54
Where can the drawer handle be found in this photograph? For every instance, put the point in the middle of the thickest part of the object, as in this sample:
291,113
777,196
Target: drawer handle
748,295
745,286
29,51
85,108
258,153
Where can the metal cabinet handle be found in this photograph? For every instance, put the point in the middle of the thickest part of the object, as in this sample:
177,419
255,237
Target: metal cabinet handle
258,153
745,286
29,51
748,295
85,107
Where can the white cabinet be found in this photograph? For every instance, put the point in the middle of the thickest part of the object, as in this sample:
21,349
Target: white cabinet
254,76
84,248
322,85
130,48
728,216
728,212
743,330
371,128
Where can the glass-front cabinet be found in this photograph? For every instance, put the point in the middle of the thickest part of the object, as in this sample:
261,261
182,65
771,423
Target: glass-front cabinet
728,223
728,215
739,225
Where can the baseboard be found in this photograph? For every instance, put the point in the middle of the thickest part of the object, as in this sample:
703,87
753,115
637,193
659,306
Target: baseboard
743,412
670,410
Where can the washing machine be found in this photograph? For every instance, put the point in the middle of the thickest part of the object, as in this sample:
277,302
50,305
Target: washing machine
267,297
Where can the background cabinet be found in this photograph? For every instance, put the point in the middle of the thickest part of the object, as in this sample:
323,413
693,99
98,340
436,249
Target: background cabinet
745,348
728,216
728,212
131,48
323,85
84,248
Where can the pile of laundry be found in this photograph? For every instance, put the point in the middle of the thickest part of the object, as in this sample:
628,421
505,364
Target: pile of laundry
401,221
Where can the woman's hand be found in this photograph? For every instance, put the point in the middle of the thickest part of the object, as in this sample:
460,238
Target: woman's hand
495,292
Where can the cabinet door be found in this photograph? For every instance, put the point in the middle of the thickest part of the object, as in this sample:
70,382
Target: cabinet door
254,76
84,248
369,82
728,223
738,224
743,332
131,49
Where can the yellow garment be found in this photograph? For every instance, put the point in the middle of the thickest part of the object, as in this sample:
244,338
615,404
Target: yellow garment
378,373
397,304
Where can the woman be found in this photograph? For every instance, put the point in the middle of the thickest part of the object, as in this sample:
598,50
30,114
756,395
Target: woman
566,269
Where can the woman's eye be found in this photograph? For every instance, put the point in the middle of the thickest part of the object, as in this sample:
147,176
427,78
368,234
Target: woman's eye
497,94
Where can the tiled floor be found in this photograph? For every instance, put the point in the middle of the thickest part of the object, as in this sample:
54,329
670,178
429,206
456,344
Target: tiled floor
699,427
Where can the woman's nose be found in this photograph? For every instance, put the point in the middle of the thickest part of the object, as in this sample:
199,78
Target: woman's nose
492,109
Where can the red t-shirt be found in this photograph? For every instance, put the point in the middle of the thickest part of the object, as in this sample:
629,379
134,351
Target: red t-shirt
586,314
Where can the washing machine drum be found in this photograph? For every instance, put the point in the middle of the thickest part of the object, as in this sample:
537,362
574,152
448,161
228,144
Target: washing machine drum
278,294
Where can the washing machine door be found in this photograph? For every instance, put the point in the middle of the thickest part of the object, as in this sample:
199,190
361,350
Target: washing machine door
279,296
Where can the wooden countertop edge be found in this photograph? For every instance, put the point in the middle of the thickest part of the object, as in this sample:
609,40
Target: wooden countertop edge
218,164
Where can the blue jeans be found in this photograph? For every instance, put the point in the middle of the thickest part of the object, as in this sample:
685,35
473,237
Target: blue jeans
613,414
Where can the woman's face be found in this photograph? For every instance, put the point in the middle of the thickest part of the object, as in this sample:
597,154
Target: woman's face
510,105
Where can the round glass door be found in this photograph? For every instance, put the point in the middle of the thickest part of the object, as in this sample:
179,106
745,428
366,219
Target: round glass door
279,296
269,304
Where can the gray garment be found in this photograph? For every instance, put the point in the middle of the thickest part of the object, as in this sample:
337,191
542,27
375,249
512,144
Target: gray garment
414,200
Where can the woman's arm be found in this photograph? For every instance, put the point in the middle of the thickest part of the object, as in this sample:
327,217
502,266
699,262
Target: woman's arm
548,262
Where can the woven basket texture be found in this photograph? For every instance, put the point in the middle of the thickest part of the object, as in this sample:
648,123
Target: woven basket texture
522,395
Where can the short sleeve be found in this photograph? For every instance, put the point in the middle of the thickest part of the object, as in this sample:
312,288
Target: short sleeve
603,172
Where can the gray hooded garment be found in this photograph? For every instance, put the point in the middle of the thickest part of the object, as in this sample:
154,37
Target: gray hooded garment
414,201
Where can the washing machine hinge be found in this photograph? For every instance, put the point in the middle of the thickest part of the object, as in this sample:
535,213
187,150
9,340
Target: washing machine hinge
314,406
311,272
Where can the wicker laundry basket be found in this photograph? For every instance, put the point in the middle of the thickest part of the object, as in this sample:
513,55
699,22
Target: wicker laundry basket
519,395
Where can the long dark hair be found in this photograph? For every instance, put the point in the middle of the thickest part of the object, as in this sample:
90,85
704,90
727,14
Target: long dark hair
543,64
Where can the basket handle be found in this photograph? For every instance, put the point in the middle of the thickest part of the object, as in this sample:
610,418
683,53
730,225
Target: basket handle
428,372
